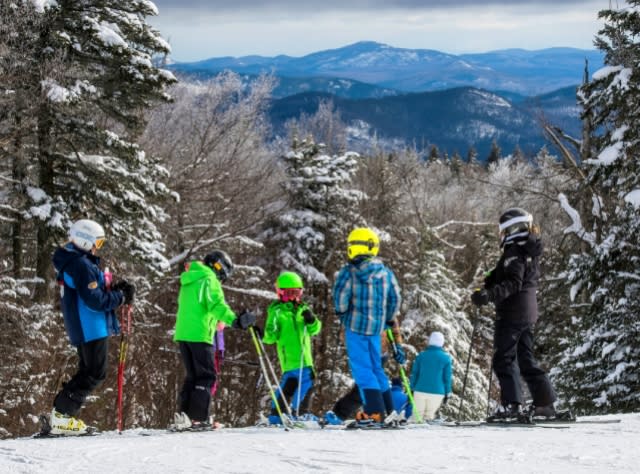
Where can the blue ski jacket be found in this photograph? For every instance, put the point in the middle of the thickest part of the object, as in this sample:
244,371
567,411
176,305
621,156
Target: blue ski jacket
431,371
366,296
87,306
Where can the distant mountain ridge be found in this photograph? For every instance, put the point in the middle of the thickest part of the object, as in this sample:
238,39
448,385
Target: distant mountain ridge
389,70
454,119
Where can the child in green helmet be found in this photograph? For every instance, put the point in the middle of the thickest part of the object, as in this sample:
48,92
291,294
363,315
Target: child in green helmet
290,324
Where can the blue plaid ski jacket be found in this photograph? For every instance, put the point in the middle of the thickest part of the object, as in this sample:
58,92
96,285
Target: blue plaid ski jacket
366,296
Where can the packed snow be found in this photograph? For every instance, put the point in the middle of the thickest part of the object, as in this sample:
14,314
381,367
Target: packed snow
581,448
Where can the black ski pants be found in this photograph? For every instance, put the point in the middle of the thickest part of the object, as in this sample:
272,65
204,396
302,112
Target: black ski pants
513,357
349,404
195,396
92,370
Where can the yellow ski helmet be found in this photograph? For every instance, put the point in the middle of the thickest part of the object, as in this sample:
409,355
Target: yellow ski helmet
362,241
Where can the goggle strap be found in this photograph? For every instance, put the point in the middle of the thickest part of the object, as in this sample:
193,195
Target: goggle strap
367,243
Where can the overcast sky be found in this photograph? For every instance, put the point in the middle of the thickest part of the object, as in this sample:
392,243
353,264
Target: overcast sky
199,29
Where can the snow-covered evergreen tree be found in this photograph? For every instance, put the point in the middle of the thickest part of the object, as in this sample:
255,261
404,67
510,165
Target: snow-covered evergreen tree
321,208
602,362
95,79
432,301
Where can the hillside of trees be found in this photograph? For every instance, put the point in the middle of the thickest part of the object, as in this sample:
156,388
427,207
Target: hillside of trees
92,126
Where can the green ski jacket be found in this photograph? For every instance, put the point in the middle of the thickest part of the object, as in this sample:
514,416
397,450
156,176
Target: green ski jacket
201,305
285,326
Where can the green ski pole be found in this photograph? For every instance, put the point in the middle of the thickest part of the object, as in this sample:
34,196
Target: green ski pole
265,375
403,376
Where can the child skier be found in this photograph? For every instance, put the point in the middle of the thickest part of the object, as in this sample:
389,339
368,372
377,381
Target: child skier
512,286
201,305
431,377
290,324
366,298
88,309
401,402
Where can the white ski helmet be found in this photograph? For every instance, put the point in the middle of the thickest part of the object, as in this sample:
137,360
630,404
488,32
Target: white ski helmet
515,223
86,234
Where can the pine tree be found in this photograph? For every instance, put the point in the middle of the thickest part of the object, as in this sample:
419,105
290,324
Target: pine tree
472,156
321,208
96,78
494,154
601,364
432,296
434,154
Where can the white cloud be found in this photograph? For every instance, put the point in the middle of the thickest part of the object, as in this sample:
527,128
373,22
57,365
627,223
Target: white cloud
207,33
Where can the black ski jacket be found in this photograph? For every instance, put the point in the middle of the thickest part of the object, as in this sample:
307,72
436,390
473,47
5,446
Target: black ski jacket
512,284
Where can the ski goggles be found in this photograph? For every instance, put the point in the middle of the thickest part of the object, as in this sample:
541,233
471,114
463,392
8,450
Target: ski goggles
289,294
99,242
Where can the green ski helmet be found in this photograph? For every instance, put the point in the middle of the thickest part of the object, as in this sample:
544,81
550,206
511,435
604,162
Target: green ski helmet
289,287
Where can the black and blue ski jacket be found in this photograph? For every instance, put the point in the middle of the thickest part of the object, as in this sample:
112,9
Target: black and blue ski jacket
87,306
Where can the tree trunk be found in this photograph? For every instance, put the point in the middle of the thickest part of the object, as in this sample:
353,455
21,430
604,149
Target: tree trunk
46,176
18,175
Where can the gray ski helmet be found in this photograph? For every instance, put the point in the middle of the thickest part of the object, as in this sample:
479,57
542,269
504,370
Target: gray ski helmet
514,223
221,264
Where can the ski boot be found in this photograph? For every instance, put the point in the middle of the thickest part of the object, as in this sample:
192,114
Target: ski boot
181,422
201,426
330,418
395,420
365,421
549,413
274,420
510,413
60,424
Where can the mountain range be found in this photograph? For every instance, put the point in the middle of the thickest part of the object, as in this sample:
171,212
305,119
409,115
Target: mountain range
425,96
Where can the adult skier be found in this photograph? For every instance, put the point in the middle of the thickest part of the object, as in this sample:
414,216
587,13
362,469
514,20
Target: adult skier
291,324
201,305
512,286
366,298
88,308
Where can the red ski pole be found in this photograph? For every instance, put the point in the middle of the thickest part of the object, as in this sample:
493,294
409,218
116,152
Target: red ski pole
125,329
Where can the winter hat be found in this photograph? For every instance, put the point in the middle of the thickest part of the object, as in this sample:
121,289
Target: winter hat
436,339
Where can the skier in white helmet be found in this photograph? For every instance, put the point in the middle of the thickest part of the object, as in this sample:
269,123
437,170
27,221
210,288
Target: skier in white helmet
88,308
512,286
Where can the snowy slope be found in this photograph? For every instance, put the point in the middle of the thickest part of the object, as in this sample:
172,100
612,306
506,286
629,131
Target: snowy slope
586,448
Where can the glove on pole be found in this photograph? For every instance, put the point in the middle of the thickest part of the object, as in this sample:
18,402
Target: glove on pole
466,370
286,422
125,323
403,376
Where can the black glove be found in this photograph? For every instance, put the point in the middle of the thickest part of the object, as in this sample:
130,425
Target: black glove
480,297
308,316
445,400
390,324
399,355
244,320
127,290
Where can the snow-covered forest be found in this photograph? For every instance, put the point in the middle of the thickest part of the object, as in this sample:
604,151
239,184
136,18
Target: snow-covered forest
92,126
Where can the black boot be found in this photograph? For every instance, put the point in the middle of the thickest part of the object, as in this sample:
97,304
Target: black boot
509,413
